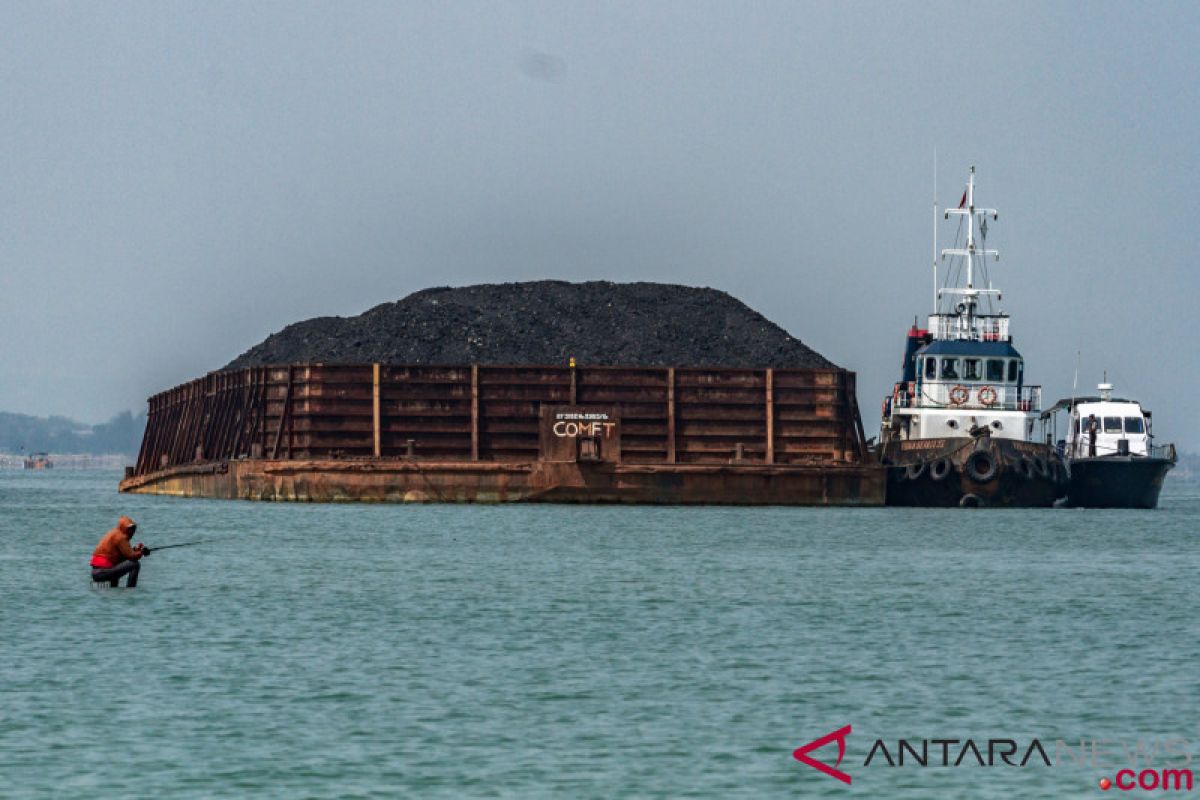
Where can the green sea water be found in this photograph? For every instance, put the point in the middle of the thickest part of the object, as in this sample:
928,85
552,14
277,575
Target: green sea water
553,651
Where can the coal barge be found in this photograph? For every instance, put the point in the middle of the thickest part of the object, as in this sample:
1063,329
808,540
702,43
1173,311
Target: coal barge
642,395
487,433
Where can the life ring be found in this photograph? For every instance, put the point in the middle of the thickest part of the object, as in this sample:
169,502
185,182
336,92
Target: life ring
914,470
980,466
971,500
987,395
959,395
939,470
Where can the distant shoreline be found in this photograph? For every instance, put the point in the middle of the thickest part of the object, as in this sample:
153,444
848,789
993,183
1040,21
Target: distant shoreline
70,460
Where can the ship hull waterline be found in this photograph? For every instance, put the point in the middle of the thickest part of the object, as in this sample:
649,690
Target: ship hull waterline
402,480
1117,481
968,472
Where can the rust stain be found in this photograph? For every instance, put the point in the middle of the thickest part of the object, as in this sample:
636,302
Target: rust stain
414,433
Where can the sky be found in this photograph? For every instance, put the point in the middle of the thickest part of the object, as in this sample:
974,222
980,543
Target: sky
179,180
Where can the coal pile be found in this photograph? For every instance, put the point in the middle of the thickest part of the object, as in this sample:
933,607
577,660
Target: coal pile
545,322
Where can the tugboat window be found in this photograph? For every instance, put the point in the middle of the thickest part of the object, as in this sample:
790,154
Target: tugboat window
931,368
1134,425
1012,370
950,368
1112,424
970,369
995,370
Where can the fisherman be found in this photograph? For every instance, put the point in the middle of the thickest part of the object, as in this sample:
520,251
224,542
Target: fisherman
115,557
1092,427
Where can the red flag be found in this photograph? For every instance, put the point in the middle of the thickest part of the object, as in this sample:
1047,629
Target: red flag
963,202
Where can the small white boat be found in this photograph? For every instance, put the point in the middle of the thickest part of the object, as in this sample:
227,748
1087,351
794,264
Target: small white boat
1110,452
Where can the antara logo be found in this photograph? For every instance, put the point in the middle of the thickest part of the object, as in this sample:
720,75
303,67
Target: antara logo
801,753
954,753
1174,774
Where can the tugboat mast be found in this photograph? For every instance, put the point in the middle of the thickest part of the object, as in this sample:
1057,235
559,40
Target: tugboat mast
969,294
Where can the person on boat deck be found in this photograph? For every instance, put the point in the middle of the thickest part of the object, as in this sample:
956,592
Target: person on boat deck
114,557
1091,428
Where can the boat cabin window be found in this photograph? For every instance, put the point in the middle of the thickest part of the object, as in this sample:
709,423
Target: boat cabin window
971,369
930,368
950,368
1134,425
1013,366
1112,424
995,370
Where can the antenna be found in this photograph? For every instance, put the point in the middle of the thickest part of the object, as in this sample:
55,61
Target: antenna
971,229
935,222
1075,383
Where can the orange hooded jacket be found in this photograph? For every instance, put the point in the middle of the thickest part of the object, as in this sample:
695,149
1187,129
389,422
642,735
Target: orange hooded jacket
114,547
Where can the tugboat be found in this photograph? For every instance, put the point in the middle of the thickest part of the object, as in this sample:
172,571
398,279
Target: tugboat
1110,452
957,429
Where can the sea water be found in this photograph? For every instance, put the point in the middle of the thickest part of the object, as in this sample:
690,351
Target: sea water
570,651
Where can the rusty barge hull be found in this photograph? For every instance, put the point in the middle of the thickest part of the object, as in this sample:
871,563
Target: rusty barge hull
409,433
401,481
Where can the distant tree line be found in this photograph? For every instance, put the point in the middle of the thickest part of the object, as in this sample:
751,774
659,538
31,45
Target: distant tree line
22,433
1188,466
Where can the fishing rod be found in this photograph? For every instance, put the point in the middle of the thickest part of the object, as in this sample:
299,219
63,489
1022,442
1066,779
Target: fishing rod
169,546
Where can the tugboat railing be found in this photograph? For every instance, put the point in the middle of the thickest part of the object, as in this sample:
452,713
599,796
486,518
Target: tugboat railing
987,397
979,328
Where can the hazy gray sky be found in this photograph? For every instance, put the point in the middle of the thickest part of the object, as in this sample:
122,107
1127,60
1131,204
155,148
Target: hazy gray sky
179,180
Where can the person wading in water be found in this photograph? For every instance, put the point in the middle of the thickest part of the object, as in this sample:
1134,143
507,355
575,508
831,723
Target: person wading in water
115,557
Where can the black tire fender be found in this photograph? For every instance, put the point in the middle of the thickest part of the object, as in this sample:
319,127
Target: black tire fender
940,470
914,470
980,466
1024,468
1041,467
971,500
